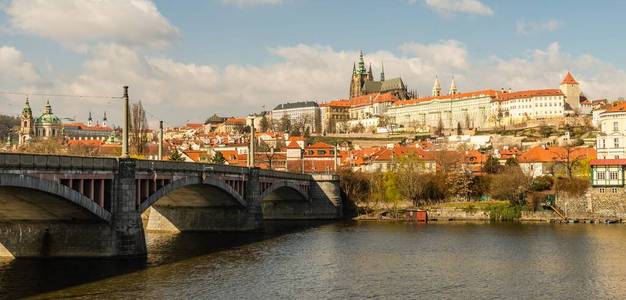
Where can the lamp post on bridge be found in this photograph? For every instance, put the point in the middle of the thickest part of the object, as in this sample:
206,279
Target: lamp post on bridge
125,124
251,150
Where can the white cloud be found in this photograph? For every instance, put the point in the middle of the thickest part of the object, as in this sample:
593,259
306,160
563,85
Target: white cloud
79,23
525,28
458,6
246,3
15,69
177,91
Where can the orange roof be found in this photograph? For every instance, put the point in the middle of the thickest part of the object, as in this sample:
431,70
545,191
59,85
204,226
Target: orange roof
373,98
552,154
194,125
337,103
617,107
84,126
569,79
528,94
474,94
293,145
195,155
608,162
236,121
319,145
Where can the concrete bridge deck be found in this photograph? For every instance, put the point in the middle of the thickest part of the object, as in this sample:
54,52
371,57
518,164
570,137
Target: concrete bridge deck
54,205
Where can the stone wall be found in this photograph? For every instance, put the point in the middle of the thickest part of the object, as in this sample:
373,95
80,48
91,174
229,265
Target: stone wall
597,202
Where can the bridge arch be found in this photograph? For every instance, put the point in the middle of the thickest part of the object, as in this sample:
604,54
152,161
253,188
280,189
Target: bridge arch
285,189
192,181
54,188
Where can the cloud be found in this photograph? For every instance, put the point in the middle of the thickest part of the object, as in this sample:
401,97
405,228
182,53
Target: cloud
176,91
525,28
15,69
247,3
80,23
449,7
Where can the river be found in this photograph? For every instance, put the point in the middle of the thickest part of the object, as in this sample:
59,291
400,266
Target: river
347,260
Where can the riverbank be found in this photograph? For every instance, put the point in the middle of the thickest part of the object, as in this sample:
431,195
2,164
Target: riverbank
485,211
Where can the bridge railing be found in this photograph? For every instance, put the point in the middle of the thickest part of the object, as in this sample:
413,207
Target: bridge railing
43,161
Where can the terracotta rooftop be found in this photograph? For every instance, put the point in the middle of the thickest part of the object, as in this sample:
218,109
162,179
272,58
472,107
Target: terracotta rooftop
569,79
474,94
528,94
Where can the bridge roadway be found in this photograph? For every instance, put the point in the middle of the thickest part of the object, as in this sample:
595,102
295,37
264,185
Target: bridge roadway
81,206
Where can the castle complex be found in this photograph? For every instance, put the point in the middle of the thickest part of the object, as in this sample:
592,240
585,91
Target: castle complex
363,82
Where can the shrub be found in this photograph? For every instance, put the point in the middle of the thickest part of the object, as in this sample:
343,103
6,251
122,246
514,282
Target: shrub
504,213
572,186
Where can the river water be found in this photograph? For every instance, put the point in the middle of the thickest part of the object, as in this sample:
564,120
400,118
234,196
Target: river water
347,260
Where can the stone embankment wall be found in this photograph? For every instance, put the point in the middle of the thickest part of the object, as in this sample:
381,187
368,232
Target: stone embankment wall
595,203
457,214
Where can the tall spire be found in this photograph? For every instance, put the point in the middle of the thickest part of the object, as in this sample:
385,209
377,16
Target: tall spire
354,68
370,75
27,111
453,90
382,71
436,87
362,64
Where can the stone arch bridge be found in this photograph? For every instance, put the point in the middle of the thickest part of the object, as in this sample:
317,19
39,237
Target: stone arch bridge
78,206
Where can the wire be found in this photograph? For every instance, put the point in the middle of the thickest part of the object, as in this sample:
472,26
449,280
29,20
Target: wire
59,95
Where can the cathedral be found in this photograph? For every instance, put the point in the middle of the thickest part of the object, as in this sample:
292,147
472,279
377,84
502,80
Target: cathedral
363,82
46,126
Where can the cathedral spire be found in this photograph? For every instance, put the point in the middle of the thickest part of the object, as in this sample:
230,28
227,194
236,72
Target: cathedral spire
370,74
436,87
89,120
382,71
362,70
104,119
453,90
354,68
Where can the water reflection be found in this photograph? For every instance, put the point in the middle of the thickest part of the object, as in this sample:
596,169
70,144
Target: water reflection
344,260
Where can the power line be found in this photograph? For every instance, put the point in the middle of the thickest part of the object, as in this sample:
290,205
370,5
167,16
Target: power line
59,95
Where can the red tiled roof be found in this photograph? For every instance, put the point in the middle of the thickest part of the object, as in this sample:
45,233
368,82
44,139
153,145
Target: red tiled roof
319,145
569,79
84,142
528,94
490,93
194,125
608,162
553,154
84,126
373,98
235,121
617,107
337,103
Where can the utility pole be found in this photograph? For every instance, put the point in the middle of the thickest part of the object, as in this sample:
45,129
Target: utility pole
125,124
251,152
335,159
160,140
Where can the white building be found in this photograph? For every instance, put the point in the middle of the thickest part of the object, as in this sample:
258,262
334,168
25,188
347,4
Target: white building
306,111
611,142
516,107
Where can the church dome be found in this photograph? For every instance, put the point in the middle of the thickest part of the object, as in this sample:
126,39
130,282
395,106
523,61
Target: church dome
48,118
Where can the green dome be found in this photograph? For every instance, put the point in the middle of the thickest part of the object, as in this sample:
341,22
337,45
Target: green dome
48,119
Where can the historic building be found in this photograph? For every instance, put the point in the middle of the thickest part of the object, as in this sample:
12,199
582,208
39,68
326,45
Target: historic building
46,126
334,115
485,108
363,83
307,112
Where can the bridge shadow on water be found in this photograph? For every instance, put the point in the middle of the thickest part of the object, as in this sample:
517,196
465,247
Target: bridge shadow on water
27,277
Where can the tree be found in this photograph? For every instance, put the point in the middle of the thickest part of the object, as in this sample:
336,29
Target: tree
569,158
410,179
356,187
218,158
7,125
491,165
138,128
511,184
48,146
176,156
459,184
285,123
439,130
265,123
511,162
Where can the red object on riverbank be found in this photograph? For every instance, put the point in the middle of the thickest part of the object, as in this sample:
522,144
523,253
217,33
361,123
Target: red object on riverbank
421,216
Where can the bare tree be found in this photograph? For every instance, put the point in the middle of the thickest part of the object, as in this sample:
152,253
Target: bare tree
138,128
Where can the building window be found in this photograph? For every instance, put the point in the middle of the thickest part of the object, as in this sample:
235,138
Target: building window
614,190
616,143
615,126
614,175
600,175
601,190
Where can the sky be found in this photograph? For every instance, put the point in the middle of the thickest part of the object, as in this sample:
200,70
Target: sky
185,60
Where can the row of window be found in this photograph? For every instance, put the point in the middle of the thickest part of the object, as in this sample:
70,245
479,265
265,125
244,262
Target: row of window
613,190
615,143
614,175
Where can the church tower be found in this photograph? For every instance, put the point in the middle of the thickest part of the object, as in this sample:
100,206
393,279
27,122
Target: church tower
104,120
89,120
26,124
453,90
436,87
571,89
359,77
382,71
